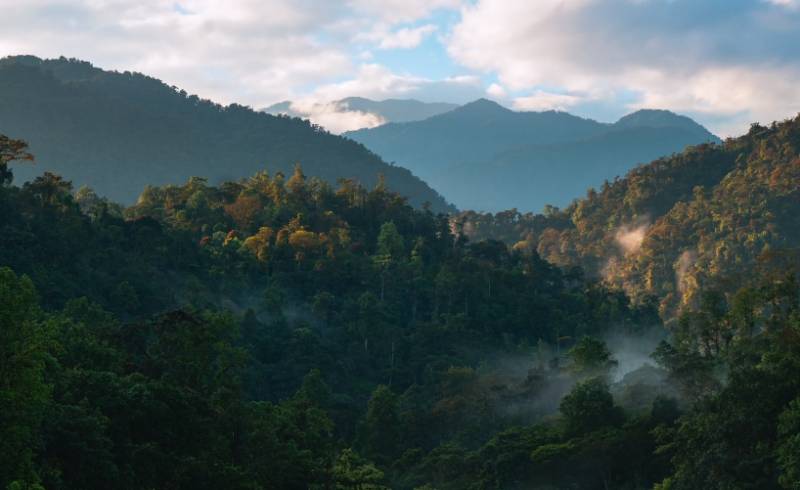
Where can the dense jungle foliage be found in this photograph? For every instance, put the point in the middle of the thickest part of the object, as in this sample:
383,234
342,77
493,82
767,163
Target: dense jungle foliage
281,333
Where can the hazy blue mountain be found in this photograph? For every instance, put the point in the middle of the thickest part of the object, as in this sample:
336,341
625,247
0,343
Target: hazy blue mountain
118,132
391,110
487,157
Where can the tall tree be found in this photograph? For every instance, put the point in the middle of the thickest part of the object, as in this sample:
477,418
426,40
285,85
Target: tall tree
24,342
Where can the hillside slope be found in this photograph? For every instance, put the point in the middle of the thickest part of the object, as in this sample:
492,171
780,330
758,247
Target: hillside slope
118,132
705,218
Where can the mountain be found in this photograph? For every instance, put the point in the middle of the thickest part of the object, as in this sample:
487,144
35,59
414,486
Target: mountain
118,132
389,110
485,156
710,218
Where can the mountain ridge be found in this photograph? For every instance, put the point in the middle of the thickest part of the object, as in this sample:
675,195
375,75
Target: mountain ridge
118,132
483,136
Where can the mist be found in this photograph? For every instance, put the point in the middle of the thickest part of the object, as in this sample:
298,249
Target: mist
630,237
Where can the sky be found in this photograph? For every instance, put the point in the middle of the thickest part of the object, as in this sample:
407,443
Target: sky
726,63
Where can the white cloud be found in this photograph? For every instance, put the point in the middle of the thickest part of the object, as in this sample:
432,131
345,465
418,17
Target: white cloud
246,51
496,90
406,38
398,11
785,3
335,116
741,95
728,63
545,101
725,61
377,82
253,52
372,81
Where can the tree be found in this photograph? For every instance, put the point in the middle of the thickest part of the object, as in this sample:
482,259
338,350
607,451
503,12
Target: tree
49,189
588,407
11,150
351,471
591,357
260,243
380,431
789,449
390,241
296,185
390,250
244,210
24,342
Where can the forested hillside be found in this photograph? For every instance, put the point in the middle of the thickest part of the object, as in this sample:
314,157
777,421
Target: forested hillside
712,216
118,132
278,332
485,157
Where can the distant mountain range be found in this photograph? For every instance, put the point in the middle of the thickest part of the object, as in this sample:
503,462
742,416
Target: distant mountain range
118,132
390,110
484,156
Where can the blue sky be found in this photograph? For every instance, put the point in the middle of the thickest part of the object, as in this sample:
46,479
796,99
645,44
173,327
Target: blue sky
726,63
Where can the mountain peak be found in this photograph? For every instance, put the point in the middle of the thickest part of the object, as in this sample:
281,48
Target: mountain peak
652,118
483,105
660,118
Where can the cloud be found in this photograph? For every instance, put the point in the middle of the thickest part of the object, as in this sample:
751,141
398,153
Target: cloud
398,11
496,90
324,107
785,3
732,58
253,52
336,117
545,101
725,62
406,37
246,51
375,81
630,238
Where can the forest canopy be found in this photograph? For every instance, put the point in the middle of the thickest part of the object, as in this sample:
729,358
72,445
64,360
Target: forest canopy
279,332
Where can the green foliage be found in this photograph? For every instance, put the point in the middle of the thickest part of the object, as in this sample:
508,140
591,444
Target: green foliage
390,242
11,150
742,435
24,393
711,217
588,407
590,357
352,471
380,432
789,449
255,334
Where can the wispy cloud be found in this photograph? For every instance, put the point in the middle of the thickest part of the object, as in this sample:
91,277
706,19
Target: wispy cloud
407,37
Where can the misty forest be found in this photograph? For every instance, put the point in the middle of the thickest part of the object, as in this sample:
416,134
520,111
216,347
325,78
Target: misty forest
196,296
